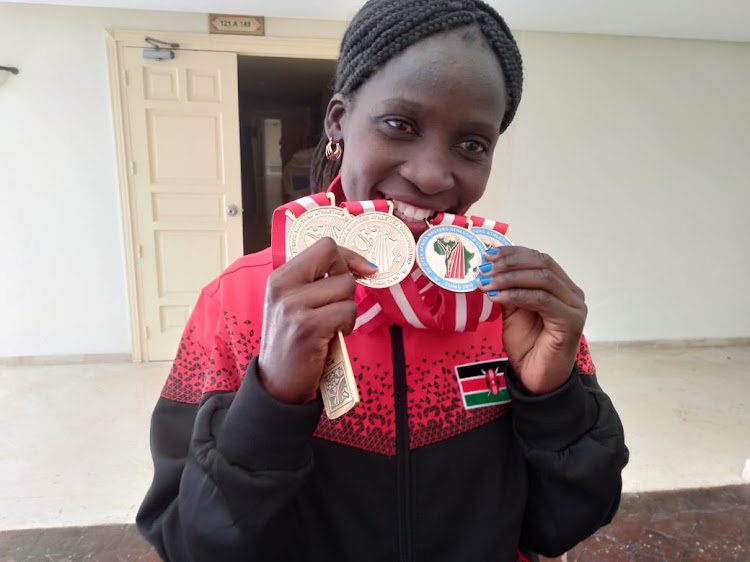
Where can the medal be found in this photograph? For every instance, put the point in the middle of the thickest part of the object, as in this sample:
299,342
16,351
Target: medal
313,225
383,240
338,387
490,238
449,256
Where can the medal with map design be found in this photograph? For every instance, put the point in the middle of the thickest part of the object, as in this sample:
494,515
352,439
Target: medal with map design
313,225
490,238
384,240
450,256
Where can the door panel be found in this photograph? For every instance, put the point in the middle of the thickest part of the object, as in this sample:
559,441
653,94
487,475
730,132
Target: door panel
184,134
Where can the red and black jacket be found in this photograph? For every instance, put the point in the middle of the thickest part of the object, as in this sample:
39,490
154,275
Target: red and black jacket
410,474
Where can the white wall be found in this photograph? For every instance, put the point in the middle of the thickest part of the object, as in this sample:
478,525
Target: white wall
622,146
629,163
62,273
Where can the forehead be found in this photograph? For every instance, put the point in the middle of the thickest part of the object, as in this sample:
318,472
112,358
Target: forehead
458,65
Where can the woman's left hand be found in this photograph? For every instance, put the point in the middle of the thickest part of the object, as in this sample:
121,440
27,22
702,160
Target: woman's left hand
543,315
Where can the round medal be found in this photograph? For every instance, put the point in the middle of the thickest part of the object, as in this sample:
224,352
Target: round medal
449,256
313,225
490,238
385,241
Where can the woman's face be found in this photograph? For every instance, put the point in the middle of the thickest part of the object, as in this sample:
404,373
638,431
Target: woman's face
421,131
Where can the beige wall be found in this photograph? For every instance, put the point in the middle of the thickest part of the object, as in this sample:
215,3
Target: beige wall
627,163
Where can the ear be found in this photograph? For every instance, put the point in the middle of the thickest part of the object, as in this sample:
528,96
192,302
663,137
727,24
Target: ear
336,114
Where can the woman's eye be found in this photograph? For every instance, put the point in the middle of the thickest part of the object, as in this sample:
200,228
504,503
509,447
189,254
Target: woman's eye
473,146
400,125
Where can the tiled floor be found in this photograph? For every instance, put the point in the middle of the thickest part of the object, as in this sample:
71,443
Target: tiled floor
681,526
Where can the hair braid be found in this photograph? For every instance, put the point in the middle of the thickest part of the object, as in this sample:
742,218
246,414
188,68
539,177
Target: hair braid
384,28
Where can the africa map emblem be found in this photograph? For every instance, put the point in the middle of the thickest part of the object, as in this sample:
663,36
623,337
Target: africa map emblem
449,256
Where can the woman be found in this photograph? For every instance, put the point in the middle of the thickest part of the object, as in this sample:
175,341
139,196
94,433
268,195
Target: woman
247,468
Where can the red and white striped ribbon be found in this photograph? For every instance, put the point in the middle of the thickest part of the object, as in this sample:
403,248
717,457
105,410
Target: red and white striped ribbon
500,227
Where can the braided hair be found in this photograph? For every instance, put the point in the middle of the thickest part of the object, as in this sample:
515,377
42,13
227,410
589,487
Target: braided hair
384,28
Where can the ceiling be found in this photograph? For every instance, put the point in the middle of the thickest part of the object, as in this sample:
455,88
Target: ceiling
727,20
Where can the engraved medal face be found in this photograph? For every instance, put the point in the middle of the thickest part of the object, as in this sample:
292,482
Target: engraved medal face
313,225
385,241
449,256
490,238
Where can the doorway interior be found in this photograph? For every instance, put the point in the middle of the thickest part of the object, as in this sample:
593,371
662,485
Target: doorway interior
282,103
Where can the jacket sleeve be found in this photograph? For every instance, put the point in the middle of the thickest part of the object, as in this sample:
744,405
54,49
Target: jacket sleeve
575,450
228,465
226,473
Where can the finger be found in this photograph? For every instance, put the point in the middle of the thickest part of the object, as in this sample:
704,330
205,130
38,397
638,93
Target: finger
356,263
544,279
335,317
333,288
551,309
511,258
321,259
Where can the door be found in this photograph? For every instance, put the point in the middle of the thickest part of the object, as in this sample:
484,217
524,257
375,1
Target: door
186,180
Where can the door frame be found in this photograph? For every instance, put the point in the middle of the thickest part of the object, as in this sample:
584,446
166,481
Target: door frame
116,42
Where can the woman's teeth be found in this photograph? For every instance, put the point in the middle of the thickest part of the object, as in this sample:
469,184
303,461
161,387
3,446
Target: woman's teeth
411,213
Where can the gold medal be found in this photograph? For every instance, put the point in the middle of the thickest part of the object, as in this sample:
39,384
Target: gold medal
490,238
385,241
338,387
313,225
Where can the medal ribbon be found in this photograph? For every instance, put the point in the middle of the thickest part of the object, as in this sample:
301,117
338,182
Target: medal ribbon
416,301
499,227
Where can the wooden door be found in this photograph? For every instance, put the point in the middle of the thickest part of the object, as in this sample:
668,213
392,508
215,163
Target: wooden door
186,180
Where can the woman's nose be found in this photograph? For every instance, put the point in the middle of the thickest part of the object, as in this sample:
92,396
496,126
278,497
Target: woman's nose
429,169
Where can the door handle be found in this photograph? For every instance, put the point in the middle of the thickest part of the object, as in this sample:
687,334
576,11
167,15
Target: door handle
232,210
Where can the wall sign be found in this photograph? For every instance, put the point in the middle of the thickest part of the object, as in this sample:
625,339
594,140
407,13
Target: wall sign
236,25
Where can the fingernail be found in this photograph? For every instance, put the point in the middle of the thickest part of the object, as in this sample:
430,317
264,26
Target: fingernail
485,267
492,251
493,293
485,280
372,265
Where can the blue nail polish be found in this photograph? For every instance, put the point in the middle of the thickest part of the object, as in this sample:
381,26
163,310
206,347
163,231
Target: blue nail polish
493,293
372,264
492,251
485,280
485,267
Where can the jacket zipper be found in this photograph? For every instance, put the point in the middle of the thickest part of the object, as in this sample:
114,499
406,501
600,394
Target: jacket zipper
402,444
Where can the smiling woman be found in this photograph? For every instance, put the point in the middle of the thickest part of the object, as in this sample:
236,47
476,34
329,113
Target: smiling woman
423,158
432,463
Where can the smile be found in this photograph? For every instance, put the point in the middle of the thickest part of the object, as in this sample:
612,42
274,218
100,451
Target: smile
410,213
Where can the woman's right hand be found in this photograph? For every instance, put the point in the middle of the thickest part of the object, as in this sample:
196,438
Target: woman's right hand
308,299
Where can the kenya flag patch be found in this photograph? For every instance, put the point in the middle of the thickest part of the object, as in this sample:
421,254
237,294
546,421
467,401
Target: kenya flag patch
483,384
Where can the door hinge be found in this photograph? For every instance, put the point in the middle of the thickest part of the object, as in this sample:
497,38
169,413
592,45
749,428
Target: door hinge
148,333
126,77
140,251
132,167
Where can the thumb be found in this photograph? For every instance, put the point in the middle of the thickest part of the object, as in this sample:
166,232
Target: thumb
356,263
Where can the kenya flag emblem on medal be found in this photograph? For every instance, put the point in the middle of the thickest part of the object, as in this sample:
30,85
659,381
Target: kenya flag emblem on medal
483,384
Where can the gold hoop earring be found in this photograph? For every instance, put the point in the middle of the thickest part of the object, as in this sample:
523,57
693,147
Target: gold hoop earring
333,150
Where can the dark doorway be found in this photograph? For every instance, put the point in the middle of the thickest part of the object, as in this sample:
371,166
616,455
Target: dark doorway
282,105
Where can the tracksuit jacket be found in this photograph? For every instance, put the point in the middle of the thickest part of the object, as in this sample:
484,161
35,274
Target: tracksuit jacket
411,474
